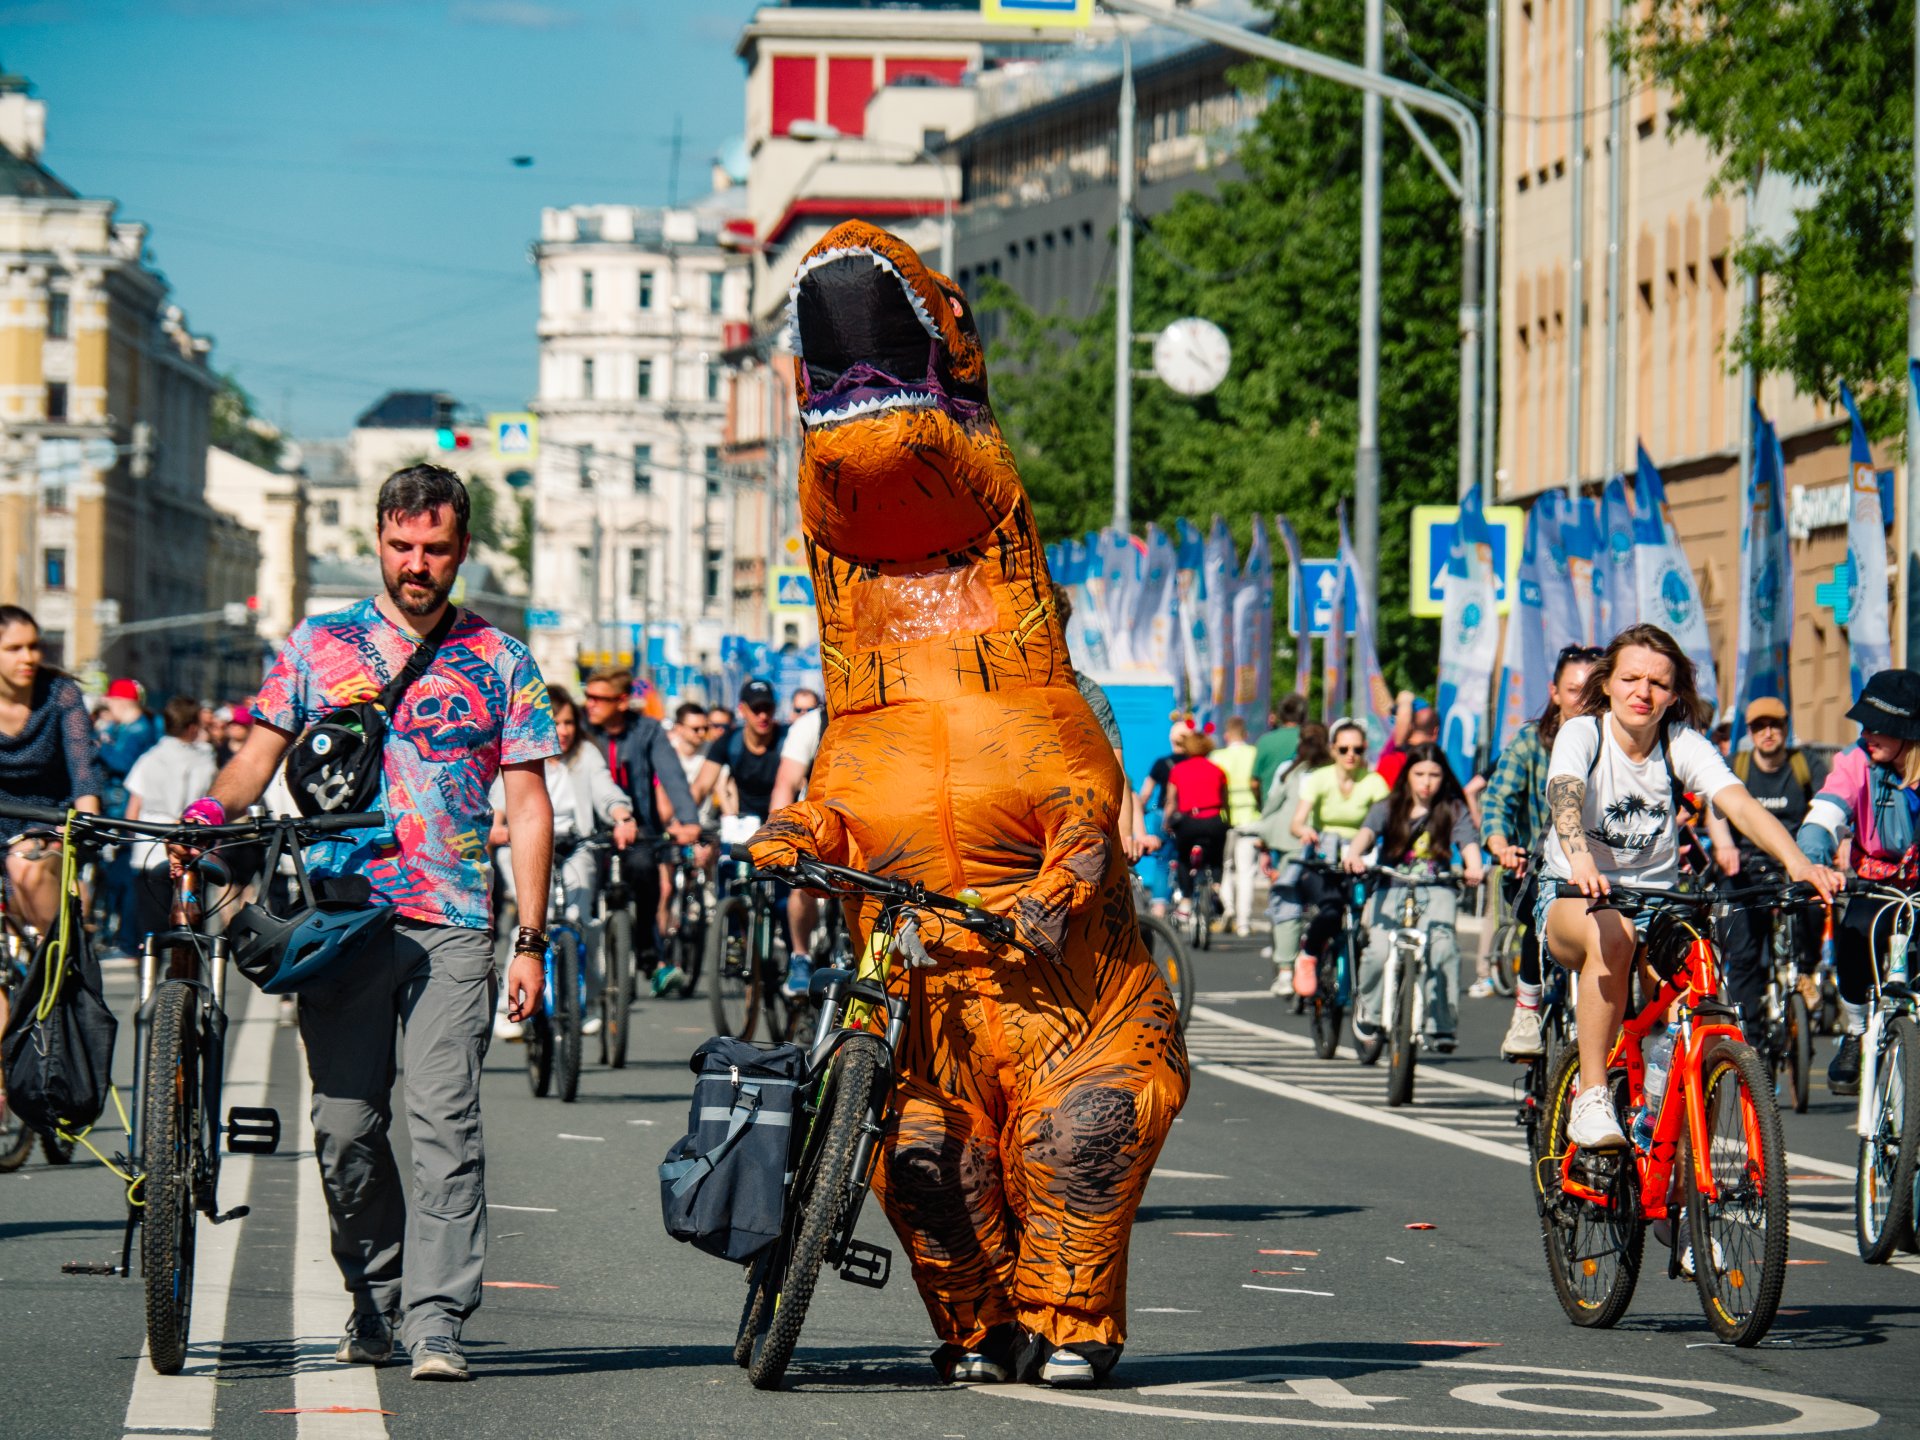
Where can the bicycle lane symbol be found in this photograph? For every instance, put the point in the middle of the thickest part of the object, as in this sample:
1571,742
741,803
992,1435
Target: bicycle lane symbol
1391,1396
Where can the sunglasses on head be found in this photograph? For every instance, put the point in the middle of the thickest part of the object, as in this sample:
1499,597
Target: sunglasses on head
1580,654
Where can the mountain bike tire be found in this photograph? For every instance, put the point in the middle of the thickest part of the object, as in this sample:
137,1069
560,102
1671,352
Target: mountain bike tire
1504,971
16,1140
1593,1253
567,1016
756,1312
1799,1051
689,948
170,1123
1883,1185
617,950
1328,1014
1173,962
1740,1239
1403,1045
820,1195
733,969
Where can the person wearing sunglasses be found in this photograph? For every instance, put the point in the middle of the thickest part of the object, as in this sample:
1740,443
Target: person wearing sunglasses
1334,803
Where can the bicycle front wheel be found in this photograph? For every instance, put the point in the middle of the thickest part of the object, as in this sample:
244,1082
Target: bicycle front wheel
1504,970
1402,1040
820,1194
1883,1184
1740,1236
618,949
690,939
1176,968
566,1015
733,968
170,1121
1593,1246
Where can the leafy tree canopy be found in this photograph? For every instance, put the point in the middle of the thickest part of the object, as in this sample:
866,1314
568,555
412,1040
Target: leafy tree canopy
237,428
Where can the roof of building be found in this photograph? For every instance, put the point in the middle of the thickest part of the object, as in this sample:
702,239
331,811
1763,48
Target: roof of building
406,410
30,180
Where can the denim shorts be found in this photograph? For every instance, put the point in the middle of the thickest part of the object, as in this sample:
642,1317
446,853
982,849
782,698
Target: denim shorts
1546,897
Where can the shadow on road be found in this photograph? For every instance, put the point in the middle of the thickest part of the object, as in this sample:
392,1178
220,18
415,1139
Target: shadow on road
598,1360
21,1229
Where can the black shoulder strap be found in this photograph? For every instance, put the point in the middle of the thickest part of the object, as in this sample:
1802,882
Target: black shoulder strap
418,662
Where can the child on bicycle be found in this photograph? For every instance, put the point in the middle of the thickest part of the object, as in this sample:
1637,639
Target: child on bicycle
1615,784
1334,803
1418,826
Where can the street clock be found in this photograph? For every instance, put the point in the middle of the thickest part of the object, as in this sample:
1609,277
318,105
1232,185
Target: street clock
1192,355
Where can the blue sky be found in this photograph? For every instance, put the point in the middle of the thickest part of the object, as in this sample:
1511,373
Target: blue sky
330,182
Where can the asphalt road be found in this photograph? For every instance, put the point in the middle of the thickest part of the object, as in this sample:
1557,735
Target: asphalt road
1275,1280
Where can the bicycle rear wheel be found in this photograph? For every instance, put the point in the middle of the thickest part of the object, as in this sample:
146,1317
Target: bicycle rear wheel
1883,1187
1403,1041
1176,968
734,969
170,1123
757,1311
1799,1051
566,1014
821,1191
689,949
617,946
1740,1237
1593,1249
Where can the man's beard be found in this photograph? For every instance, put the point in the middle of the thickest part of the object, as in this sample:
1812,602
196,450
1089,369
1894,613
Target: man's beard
410,602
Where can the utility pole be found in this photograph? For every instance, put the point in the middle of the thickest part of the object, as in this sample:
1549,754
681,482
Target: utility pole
1366,467
1490,262
1616,226
1123,302
1577,296
1910,561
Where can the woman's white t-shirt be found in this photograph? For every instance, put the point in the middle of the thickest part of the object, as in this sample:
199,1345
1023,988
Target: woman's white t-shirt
1628,817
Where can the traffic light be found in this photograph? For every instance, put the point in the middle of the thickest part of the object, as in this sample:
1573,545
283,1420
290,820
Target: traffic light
449,437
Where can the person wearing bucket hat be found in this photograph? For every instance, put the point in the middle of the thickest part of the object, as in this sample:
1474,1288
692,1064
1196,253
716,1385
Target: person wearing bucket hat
1873,793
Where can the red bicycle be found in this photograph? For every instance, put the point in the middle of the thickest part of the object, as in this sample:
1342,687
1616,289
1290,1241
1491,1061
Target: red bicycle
1716,1163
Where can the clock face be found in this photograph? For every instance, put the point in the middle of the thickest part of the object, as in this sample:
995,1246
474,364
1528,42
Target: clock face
1192,355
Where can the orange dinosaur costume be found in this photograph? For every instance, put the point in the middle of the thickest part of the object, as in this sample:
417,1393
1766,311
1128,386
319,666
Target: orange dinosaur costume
1035,1088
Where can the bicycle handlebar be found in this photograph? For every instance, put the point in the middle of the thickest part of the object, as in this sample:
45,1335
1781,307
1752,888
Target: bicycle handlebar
815,874
107,827
1652,897
1412,879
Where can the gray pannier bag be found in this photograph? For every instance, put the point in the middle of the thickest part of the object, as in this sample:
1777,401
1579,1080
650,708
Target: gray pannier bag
723,1186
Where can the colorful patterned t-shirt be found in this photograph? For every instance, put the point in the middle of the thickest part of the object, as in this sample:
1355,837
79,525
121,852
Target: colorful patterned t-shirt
481,704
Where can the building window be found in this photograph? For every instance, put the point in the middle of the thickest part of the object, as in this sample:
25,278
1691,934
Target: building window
586,379
642,469
57,315
716,291
713,469
57,400
713,380
637,575
715,560
583,562
54,567
643,379
53,498
646,290
586,289
329,512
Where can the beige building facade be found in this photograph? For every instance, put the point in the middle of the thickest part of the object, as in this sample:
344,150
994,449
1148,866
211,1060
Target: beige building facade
273,505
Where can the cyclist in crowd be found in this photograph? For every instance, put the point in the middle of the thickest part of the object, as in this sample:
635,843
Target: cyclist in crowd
131,731
1283,847
47,757
1334,803
175,772
797,754
480,709
1873,794
1236,760
644,763
1274,751
1783,780
1615,784
1516,823
585,800
1196,807
1415,722
719,722
1420,825
747,756
802,703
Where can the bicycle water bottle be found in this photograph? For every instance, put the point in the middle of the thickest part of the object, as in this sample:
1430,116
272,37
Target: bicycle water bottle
1901,940
1658,1054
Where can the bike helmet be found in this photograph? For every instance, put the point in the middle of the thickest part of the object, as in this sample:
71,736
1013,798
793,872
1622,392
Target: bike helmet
283,955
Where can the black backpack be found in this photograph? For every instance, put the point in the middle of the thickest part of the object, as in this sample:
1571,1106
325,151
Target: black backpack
59,1067
334,769
723,1187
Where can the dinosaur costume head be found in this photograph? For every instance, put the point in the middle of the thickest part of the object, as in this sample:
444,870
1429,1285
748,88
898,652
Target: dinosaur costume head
901,460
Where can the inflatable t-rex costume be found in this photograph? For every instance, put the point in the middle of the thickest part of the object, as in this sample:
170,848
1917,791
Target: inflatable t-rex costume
1035,1088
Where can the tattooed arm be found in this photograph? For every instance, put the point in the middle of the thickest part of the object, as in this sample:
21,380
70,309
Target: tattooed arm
1566,797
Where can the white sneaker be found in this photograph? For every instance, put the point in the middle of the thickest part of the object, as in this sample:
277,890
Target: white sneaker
1480,990
1282,984
973,1368
1686,1260
505,1029
1066,1370
592,1025
1593,1125
1524,1040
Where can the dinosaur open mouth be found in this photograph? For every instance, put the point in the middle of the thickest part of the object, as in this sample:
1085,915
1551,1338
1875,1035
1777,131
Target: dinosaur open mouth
865,336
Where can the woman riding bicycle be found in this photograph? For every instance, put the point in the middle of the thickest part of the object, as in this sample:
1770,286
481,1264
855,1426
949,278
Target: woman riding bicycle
1614,788
1196,807
1283,848
1514,817
1872,793
1418,826
1334,803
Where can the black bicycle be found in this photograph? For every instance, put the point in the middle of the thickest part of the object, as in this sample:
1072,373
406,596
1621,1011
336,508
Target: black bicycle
688,912
746,953
1337,971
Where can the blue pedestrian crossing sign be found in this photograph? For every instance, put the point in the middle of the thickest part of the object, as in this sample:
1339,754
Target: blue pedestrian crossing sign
516,435
792,589
1077,14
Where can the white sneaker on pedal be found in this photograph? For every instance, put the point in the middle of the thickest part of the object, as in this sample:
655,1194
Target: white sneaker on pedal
1592,1125
1686,1260
973,1368
1282,984
1066,1370
1523,1040
591,1025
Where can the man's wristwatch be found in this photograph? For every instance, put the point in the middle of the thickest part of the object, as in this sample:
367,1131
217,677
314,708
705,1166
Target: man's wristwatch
530,941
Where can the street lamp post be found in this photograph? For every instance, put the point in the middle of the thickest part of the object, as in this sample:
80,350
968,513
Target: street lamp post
820,130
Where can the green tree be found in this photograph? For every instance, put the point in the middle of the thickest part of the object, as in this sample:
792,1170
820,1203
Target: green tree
1819,92
236,427
1274,261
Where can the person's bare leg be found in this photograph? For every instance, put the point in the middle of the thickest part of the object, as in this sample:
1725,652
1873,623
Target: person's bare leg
36,886
1600,947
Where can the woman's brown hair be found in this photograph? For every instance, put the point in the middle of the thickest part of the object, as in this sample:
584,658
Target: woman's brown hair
1315,751
1687,707
1448,804
559,698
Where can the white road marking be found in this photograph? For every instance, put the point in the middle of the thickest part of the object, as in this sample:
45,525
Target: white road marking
596,1139
320,1308
186,1402
1161,1172
1287,1290
525,1209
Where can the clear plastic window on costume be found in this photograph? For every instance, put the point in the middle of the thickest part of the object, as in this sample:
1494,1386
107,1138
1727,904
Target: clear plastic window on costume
906,609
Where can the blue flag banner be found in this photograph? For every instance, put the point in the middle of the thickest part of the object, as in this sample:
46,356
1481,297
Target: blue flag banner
1303,645
1253,634
1669,597
1619,589
1333,649
1190,590
1373,702
1526,667
1869,626
1153,621
1469,636
1760,666
1223,582
1558,519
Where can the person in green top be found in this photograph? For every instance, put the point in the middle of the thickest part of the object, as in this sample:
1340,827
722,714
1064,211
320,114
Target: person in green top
1333,807
1274,751
1235,759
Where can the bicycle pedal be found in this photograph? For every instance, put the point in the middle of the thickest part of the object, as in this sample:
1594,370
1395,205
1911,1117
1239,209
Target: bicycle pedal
239,1212
253,1130
864,1264
90,1267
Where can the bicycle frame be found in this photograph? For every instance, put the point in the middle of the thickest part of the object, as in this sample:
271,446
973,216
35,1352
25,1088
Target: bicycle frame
1406,964
1886,1002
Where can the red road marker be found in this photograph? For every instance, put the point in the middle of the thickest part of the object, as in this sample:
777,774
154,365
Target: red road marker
1422,1225
1461,1344
328,1410
1279,1272
516,1285
1206,1234
1806,1262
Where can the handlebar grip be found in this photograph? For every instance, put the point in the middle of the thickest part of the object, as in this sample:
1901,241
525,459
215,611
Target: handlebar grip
740,853
41,814
1566,890
358,820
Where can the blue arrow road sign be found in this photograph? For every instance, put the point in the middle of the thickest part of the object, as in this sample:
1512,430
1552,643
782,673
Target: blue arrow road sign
1319,577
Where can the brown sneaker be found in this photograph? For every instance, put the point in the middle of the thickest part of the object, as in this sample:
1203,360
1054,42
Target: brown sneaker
439,1357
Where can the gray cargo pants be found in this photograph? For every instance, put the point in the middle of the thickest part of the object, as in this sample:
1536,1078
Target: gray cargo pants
438,982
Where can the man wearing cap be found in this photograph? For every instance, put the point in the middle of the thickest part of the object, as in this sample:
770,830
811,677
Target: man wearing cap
1782,778
748,756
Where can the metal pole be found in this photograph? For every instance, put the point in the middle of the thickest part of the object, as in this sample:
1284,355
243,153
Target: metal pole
1123,303
1577,296
1616,225
1749,375
1366,467
1910,560
1490,261
946,210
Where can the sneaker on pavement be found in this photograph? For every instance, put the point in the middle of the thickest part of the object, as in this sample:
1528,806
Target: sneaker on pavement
1066,1370
1444,1042
1304,979
1843,1075
1480,990
368,1341
592,1025
1593,1125
669,979
1523,1041
1282,984
439,1357
973,1368
1243,930
505,1029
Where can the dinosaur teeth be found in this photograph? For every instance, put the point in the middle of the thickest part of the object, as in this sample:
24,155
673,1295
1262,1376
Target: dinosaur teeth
869,405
